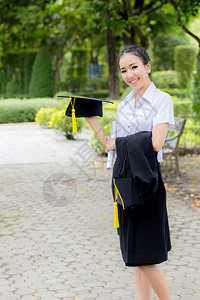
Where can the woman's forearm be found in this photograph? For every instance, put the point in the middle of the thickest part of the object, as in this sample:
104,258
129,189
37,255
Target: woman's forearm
100,133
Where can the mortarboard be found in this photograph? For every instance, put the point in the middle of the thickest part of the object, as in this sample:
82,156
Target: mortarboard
80,106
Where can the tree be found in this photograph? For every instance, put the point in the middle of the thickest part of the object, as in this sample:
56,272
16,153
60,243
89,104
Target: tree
122,21
185,10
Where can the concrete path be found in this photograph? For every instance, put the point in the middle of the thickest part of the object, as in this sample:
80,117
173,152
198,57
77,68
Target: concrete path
56,225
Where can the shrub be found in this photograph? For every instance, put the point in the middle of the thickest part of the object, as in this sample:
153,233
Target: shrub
163,49
99,83
101,94
184,60
62,93
106,124
17,111
17,68
191,135
165,79
59,121
12,89
182,108
43,115
180,93
42,77
196,95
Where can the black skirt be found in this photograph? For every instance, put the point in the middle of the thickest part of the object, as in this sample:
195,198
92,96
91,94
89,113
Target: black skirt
144,231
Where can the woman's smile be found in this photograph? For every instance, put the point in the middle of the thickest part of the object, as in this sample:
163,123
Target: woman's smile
134,81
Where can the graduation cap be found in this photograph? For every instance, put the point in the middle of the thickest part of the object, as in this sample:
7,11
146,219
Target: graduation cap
80,106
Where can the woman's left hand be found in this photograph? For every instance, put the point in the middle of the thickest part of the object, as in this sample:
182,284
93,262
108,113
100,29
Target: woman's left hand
110,144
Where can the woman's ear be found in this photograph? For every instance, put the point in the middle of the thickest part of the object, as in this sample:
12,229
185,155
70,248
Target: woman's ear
148,67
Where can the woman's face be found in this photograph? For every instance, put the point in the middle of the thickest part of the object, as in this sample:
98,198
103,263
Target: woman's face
134,72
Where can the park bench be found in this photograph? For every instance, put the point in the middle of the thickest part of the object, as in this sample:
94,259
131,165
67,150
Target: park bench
170,166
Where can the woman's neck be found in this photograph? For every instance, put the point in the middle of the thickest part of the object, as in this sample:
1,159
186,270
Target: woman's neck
140,93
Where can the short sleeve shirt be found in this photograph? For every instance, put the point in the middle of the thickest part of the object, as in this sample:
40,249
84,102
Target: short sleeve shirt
155,107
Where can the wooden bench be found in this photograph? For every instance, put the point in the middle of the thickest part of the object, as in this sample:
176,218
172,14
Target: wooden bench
170,165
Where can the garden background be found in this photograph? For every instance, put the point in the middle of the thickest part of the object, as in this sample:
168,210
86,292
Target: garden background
50,48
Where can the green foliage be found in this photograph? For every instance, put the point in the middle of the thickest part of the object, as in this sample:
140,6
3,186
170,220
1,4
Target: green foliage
54,118
29,59
16,111
17,69
99,83
163,49
180,93
185,58
42,77
43,115
12,89
196,95
106,124
60,122
75,69
191,135
186,10
101,94
182,108
165,79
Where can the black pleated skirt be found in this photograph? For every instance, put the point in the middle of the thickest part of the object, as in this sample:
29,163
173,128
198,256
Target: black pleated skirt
144,231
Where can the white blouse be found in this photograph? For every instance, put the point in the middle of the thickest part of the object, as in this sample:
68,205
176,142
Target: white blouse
155,107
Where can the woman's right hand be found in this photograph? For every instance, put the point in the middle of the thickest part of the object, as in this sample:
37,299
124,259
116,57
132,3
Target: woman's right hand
110,144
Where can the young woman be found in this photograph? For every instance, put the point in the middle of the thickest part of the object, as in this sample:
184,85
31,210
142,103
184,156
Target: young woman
145,109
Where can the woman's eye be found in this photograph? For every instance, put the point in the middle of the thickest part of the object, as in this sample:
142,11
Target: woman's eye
134,67
123,71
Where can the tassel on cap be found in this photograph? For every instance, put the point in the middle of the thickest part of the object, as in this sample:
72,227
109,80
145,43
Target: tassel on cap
74,126
116,217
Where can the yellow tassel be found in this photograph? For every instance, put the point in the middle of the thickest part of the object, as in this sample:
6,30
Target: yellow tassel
74,127
116,218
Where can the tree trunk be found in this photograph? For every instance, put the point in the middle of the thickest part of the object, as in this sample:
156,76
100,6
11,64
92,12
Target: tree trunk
113,79
59,60
58,65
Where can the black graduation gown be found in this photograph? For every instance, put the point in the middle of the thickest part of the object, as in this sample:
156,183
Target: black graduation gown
143,229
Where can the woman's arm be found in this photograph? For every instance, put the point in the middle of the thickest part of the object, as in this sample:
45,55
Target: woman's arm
159,134
100,133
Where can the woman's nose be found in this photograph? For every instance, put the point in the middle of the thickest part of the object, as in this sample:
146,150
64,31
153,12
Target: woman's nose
130,74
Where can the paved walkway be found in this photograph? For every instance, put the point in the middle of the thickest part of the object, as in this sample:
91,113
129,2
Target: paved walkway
56,225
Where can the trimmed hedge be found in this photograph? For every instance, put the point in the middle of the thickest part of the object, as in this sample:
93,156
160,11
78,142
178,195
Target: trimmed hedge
180,93
196,95
182,108
101,94
42,77
16,72
184,62
17,111
165,79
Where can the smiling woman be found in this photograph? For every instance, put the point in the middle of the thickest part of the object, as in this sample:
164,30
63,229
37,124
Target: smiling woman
143,231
